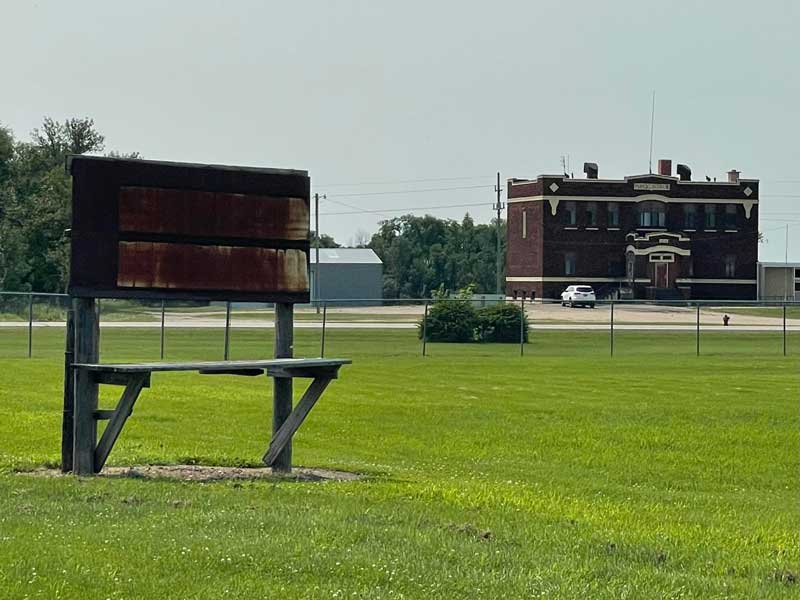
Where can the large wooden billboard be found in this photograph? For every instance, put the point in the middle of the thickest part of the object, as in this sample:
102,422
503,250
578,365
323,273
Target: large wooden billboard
147,229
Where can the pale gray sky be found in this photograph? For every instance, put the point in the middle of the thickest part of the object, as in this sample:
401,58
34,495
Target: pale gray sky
370,92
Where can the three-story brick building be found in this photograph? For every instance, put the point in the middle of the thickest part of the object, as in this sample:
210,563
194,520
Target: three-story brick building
646,236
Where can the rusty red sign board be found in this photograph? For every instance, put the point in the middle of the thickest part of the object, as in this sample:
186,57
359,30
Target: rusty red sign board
148,229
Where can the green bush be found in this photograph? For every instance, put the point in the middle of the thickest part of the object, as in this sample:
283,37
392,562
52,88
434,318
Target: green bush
451,319
500,323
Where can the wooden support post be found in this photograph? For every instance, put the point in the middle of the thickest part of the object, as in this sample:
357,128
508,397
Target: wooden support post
67,419
87,350
283,437
282,386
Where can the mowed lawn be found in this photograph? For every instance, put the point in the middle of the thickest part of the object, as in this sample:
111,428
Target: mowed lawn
564,473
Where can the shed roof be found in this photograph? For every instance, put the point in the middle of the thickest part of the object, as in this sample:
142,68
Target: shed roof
345,256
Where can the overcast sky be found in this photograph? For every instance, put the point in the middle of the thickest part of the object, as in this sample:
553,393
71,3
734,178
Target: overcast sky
374,98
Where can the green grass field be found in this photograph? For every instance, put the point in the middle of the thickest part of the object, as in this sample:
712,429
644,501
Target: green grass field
561,474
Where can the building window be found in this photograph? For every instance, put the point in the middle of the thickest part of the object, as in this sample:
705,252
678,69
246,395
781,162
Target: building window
689,216
591,214
613,214
652,214
730,265
711,216
569,263
524,224
730,216
570,213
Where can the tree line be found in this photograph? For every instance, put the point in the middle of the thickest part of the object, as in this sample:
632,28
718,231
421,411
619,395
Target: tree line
420,254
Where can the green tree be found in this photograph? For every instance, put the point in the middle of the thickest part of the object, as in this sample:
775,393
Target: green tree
325,241
35,202
421,253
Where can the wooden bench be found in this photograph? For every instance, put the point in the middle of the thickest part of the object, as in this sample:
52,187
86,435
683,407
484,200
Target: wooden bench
90,457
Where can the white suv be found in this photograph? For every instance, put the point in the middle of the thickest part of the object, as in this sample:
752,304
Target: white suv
578,295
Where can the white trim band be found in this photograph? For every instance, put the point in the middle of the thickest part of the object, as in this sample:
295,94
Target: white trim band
659,248
640,198
716,281
573,279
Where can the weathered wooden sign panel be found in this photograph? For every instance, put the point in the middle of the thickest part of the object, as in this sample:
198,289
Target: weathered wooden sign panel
146,229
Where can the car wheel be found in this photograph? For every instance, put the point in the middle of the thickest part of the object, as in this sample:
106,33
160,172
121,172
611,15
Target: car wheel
591,305
571,304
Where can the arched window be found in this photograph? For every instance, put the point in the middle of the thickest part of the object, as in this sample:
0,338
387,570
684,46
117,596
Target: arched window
652,214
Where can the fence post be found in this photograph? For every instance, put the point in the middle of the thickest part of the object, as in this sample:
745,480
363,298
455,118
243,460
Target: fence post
784,329
612,328
227,328
425,329
324,321
522,326
698,329
30,325
163,302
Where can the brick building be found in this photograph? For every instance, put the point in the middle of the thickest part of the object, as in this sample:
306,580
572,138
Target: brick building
653,236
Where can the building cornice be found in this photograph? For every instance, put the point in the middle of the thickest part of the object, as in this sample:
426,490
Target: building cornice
640,198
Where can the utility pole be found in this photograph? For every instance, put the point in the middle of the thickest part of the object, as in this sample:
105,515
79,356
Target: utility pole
498,207
316,259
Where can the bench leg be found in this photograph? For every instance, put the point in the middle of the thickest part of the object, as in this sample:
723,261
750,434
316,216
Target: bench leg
121,414
283,436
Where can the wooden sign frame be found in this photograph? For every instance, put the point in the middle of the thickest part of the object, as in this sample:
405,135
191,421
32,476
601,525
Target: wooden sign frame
163,230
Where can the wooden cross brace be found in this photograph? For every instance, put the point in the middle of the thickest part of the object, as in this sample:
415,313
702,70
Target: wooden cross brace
134,383
285,432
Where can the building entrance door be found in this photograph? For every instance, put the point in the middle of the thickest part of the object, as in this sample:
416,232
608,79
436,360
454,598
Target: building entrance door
664,270
662,275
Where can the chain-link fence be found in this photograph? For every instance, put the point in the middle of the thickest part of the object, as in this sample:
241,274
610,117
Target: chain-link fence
32,325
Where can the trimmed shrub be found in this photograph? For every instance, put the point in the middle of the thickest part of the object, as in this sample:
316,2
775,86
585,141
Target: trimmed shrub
451,319
500,323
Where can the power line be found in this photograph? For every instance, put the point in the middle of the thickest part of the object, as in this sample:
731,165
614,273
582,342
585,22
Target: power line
356,208
417,191
396,181
408,208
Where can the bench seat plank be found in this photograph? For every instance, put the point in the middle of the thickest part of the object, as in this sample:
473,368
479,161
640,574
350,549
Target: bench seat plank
221,366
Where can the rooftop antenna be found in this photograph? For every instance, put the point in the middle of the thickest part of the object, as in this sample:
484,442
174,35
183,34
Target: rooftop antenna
652,124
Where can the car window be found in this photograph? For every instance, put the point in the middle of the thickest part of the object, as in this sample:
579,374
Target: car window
583,288
571,288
